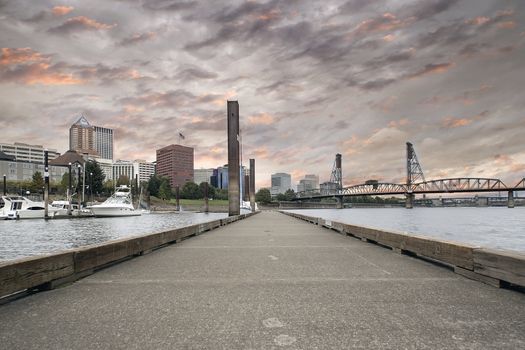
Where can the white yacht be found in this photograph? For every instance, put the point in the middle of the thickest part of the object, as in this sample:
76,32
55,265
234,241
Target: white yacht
119,204
18,207
59,209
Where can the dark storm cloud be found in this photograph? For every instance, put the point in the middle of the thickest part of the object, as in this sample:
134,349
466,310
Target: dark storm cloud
168,99
354,6
446,35
168,5
249,21
137,39
386,60
193,72
429,8
377,84
431,68
474,48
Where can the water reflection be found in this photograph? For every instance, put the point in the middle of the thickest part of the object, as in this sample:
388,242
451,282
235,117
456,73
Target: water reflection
25,238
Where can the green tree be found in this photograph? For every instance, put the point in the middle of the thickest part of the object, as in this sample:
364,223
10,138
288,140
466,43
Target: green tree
221,194
153,185
94,176
263,196
211,190
281,197
164,189
191,190
37,182
109,187
289,195
64,183
123,180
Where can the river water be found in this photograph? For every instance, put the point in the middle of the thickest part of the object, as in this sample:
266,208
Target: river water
500,228
491,227
23,238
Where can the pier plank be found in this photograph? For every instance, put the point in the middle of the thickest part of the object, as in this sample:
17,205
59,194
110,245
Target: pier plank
501,264
32,272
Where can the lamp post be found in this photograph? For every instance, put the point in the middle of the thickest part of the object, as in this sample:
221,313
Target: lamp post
78,187
84,176
69,197
91,186
5,185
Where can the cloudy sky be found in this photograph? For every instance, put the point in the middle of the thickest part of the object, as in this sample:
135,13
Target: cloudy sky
313,78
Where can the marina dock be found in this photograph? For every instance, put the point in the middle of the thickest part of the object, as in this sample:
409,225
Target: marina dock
269,281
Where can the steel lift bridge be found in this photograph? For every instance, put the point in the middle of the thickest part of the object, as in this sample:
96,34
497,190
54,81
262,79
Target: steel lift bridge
415,184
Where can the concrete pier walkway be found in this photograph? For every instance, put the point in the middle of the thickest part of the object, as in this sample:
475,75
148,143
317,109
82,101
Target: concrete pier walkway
268,282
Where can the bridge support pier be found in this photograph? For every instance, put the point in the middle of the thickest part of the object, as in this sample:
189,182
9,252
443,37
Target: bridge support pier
409,204
339,202
510,200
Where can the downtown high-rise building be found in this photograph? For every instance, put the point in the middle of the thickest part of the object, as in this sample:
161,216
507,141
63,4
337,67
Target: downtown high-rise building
85,138
104,142
281,182
176,163
308,183
202,175
81,137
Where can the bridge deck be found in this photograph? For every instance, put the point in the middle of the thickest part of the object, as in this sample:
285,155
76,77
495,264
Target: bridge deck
269,281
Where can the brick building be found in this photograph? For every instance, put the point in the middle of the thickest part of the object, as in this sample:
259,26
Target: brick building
176,163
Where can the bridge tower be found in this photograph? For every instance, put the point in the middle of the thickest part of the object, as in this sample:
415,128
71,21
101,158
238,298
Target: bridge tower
337,174
414,174
337,178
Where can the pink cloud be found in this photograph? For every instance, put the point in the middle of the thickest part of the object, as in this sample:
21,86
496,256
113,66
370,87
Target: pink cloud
389,38
507,25
81,23
383,23
451,122
261,119
398,123
39,73
20,56
62,10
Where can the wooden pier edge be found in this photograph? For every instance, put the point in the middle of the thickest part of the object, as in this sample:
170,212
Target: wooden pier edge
50,271
490,266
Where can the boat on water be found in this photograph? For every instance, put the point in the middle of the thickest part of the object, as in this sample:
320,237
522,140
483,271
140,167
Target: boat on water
119,204
19,207
61,210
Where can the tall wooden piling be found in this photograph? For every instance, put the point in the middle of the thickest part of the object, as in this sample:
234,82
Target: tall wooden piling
206,202
79,199
177,198
252,184
233,159
46,184
69,190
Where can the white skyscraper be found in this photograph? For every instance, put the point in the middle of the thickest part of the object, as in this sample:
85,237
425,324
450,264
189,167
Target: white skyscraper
103,138
281,182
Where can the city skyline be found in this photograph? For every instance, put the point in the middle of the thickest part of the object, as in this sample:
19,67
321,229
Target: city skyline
356,77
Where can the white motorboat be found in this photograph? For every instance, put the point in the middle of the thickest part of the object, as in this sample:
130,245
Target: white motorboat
61,210
18,207
119,204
